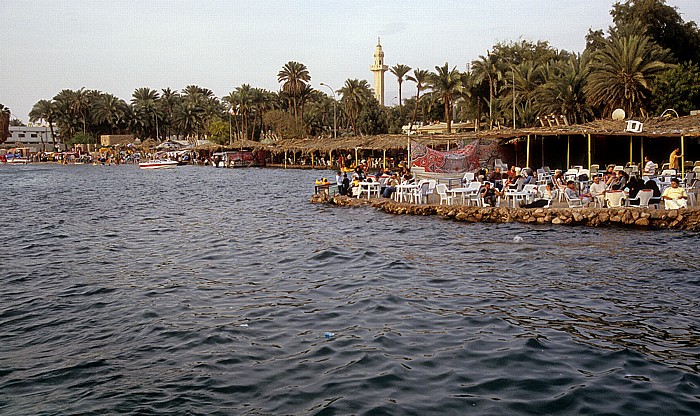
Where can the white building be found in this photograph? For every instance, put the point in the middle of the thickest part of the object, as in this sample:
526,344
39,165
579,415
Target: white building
31,137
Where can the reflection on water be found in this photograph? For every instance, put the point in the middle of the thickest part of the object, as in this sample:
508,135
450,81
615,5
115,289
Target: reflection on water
201,290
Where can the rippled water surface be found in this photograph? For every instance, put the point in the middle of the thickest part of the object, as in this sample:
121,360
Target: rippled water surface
212,291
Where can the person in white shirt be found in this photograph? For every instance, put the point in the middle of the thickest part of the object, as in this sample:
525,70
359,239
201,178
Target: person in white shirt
649,167
597,191
675,196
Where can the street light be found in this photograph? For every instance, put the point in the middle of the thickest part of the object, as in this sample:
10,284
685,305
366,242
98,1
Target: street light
335,122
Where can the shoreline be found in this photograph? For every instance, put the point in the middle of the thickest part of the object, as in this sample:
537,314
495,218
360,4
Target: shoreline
627,217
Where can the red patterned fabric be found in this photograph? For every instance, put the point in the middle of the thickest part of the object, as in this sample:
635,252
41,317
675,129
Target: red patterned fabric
463,159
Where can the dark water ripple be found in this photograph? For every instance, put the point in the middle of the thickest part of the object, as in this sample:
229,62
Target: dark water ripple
206,291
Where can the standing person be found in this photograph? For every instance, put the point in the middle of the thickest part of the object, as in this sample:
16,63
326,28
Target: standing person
674,161
649,167
675,196
338,178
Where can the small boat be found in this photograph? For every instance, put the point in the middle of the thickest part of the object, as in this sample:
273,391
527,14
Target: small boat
19,160
158,164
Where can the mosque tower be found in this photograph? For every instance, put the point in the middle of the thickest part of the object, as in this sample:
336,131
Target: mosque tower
379,69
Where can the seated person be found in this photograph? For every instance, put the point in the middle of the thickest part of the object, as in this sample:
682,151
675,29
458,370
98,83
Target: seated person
675,196
529,177
489,194
512,174
651,184
597,191
609,174
390,187
572,193
546,196
619,181
496,177
558,178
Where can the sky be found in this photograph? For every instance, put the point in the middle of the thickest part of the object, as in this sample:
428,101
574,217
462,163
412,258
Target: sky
118,46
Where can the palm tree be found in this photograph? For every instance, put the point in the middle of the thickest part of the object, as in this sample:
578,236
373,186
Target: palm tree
563,91
167,103
80,105
622,72
486,70
400,70
4,123
355,94
111,110
44,110
446,84
145,103
294,75
420,77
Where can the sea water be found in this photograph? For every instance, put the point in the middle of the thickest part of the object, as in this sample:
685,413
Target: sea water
223,291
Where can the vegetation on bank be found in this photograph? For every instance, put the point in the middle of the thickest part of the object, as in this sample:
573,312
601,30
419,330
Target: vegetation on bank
646,62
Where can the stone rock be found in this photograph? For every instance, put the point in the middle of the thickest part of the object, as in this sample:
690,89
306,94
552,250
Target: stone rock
642,222
557,221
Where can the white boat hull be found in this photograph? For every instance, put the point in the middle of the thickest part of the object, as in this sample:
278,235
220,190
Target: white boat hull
158,164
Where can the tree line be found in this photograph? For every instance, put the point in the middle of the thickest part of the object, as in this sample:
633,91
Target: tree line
645,63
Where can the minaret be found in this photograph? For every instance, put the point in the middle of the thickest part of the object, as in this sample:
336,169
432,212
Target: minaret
379,69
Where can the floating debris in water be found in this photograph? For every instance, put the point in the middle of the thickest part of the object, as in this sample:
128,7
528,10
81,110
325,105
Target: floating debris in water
328,335
517,239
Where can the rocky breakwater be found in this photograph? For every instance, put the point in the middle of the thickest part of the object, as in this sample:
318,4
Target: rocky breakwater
682,219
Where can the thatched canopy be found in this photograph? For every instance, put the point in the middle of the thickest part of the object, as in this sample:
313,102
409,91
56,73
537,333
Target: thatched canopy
245,144
688,126
665,127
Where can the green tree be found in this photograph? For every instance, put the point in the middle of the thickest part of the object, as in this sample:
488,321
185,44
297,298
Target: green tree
294,76
44,110
660,22
373,118
564,90
485,69
621,74
112,111
421,78
679,89
5,115
446,84
355,94
400,71
145,105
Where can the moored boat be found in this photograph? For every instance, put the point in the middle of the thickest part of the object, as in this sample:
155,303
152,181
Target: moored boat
158,164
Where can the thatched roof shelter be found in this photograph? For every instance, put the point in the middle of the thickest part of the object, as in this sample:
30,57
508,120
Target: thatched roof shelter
245,144
688,126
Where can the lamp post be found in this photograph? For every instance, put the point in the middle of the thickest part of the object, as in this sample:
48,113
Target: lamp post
335,120
230,133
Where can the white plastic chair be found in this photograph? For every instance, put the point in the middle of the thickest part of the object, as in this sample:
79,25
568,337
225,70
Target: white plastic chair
573,202
614,199
418,194
668,172
468,178
441,190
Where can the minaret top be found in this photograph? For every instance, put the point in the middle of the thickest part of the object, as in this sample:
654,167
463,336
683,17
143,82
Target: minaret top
378,56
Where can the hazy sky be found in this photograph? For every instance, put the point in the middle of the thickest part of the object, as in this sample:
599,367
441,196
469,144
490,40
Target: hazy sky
118,46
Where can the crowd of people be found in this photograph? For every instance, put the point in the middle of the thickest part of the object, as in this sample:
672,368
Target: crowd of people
496,183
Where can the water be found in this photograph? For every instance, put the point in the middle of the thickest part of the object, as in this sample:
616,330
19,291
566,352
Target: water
211,291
